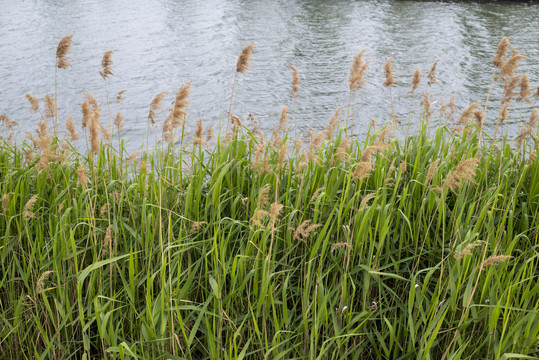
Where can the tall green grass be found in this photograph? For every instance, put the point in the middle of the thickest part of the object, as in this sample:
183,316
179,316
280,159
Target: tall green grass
422,248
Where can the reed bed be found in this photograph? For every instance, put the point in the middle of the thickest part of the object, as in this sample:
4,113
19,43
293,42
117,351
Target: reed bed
258,247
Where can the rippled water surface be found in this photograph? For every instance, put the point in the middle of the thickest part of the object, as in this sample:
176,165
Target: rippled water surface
158,44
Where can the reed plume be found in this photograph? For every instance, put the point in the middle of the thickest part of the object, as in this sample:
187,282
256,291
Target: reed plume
495,260
70,126
199,132
157,104
467,251
283,120
106,64
501,51
242,65
432,74
362,170
416,79
463,173
467,113
525,89
304,230
295,89
41,281
8,123
210,133
62,62
365,201
83,179
356,79
388,72
508,69
64,46
28,207
34,103
119,96
432,170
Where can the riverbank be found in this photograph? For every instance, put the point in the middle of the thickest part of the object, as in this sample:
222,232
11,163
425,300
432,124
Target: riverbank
249,246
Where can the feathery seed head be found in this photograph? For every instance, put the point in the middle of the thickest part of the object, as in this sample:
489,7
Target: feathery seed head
157,104
465,117
119,96
41,281
83,179
416,79
503,46
357,72
70,126
388,71
495,260
34,103
243,61
295,80
62,60
106,64
432,74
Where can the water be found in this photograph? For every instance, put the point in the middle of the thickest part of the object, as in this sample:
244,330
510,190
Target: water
158,44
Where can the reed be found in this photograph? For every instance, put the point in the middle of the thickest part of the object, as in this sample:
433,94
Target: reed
375,248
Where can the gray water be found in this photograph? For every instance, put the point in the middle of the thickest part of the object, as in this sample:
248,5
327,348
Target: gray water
159,44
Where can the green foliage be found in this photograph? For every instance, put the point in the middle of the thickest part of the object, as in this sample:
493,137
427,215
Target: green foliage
183,258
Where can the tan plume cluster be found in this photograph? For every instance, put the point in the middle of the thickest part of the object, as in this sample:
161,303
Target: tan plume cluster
157,104
525,87
495,260
416,79
365,201
501,51
295,80
283,120
28,207
508,69
333,123
50,107
317,193
41,281
503,112
8,123
34,103
304,230
106,64
464,173
118,120
466,114
357,72
245,57
177,112
210,133
119,96
362,170
283,154
528,129
64,46
432,170
83,179
197,225
467,251
70,126
199,132
432,74
388,72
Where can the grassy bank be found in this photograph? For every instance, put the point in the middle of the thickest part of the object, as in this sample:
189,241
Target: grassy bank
252,248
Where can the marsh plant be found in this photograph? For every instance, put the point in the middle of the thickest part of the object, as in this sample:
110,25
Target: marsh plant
281,246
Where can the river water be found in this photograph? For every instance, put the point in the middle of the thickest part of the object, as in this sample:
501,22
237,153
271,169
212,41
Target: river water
159,44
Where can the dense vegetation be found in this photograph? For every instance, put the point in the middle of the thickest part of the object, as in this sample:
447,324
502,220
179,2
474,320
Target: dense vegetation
247,248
